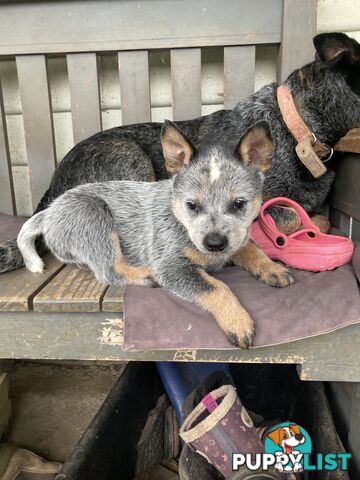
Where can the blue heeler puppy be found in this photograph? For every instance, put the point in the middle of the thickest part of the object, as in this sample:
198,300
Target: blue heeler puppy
170,233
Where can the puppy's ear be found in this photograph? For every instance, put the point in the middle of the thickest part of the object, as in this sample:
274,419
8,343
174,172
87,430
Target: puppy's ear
337,50
295,428
256,146
275,436
177,149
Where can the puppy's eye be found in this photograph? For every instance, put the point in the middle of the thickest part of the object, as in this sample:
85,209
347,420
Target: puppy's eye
239,203
191,205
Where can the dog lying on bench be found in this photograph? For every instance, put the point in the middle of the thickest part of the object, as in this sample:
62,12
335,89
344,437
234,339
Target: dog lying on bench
173,232
326,93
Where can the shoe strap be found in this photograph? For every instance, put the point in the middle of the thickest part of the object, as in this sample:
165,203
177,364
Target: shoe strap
268,224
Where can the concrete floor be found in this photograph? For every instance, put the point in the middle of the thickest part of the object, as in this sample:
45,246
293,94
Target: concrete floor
53,403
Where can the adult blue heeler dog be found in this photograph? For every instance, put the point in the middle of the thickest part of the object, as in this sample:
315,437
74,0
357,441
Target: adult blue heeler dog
327,94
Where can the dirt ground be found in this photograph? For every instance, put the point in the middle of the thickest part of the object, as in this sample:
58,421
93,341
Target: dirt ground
53,403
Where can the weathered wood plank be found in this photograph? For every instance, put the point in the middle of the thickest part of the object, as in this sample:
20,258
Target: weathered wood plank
239,74
298,30
7,196
113,300
85,95
134,87
345,195
355,234
48,27
345,224
38,124
99,336
73,290
18,288
186,83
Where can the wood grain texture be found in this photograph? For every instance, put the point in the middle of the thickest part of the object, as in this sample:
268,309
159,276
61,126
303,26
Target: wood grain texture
134,87
85,95
38,124
7,197
298,30
18,288
99,336
345,194
186,83
239,74
113,300
73,290
94,25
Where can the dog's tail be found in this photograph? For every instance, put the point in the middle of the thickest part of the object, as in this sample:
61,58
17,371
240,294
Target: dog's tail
26,243
10,255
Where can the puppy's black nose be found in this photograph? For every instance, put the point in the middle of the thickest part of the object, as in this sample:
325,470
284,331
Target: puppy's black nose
299,436
215,242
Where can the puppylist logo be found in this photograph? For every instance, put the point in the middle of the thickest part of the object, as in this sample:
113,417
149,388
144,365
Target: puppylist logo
289,444
287,447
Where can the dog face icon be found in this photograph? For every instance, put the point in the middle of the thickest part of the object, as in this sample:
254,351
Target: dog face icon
287,438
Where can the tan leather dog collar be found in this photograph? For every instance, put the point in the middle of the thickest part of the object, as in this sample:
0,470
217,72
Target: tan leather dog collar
312,153
309,149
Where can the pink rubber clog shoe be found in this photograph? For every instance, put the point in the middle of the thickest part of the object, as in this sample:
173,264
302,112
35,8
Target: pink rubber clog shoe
306,249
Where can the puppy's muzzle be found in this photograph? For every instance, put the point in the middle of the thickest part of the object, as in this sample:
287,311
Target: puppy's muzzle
215,242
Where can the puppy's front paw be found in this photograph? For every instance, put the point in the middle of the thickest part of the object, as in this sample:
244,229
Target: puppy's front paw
231,317
241,332
275,275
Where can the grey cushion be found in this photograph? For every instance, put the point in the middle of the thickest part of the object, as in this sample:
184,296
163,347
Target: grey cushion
317,303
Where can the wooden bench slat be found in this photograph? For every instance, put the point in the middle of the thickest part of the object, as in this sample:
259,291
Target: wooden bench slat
7,197
99,336
134,86
95,25
18,288
239,74
73,290
85,95
298,30
38,124
113,300
186,83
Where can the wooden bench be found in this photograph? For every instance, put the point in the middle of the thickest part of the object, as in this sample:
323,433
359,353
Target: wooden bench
65,313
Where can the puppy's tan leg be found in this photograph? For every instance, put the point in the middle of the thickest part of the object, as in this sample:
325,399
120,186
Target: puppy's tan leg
321,222
132,274
253,259
232,318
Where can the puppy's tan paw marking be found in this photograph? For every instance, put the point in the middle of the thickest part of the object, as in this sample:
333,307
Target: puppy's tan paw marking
259,264
242,335
232,318
276,276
